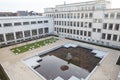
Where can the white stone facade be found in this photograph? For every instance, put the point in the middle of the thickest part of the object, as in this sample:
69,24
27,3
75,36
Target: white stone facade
18,29
92,21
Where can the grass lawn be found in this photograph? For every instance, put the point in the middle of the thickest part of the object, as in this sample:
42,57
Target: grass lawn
28,47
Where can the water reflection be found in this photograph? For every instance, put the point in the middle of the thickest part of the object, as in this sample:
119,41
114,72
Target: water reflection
50,68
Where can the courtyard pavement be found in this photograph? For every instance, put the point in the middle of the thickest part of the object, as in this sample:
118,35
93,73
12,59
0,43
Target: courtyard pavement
17,70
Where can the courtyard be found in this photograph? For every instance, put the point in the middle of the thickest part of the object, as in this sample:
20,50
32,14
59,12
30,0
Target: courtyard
17,70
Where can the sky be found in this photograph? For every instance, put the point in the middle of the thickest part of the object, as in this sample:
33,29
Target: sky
39,5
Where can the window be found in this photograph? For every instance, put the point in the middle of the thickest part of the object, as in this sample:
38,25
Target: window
0,25
27,33
33,22
25,23
78,15
81,24
89,34
116,26
39,22
118,15
110,26
47,30
9,36
119,38
106,15
86,15
94,30
81,32
70,31
105,26
40,31
74,31
85,33
1,38
17,24
90,15
114,37
103,35
71,23
109,37
77,24
77,32
34,32
90,25
7,24
74,24
46,21
82,15
112,15
19,35
99,30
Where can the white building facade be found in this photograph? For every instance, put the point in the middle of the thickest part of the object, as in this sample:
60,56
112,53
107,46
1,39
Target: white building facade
19,29
93,22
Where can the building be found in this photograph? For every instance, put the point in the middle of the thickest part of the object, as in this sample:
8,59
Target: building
2,14
22,13
94,22
19,29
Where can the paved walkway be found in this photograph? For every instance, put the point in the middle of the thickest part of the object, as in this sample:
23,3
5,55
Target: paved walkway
17,70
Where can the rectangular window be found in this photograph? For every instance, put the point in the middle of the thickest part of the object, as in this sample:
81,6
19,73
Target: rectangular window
90,15
118,15
109,37
77,24
40,30
114,37
7,24
77,32
74,24
25,23
85,33
82,15
94,29
86,15
1,38
46,21
99,30
105,26
116,26
103,35
33,22
9,36
81,32
110,26
90,25
119,38
106,15
81,24
89,34
39,22
47,30
34,32
112,15
0,25
17,24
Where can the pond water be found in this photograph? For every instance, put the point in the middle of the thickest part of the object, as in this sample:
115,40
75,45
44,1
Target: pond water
50,68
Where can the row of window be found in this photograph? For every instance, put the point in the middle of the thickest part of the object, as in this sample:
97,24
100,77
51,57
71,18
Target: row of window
112,15
73,31
24,23
113,37
111,26
20,34
74,23
71,15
